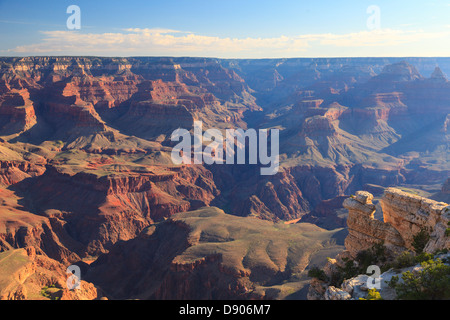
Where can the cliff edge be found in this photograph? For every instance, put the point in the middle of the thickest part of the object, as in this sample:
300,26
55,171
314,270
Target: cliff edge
413,236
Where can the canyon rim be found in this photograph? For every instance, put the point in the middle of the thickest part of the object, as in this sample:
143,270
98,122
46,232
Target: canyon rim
226,168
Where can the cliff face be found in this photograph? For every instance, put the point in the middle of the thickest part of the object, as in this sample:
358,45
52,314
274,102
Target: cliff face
364,229
17,112
98,211
207,254
409,214
25,275
85,145
72,91
404,216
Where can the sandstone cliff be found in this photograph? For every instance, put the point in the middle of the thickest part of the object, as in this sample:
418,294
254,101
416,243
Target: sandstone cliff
90,212
404,217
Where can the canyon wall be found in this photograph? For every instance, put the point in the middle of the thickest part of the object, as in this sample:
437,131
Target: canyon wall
27,275
404,215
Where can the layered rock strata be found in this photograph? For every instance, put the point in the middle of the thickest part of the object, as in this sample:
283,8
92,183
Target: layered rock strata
409,214
364,230
26,275
404,215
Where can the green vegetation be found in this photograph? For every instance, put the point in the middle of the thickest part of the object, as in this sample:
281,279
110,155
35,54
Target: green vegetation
432,282
420,240
45,293
408,259
58,143
348,271
404,260
49,292
376,255
316,272
372,294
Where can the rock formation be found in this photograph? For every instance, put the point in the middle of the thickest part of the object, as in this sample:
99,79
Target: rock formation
404,215
207,254
438,75
364,230
25,275
409,214
85,144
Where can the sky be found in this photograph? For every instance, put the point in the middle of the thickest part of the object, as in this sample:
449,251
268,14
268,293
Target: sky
225,28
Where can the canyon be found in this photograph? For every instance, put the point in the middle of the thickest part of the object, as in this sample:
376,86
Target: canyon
87,178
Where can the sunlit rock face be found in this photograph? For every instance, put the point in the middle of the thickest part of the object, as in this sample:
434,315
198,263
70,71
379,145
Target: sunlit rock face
404,216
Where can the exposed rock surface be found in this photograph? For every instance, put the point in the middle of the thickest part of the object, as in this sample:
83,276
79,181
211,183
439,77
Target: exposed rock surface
364,230
89,213
85,142
409,214
207,254
404,216
357,288
25,275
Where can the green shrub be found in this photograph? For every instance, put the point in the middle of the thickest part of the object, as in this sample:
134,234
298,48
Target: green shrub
336,279
423,256
420,240
393,282
375,255
349,270
404,260
316,272
44,292
432,282
372,294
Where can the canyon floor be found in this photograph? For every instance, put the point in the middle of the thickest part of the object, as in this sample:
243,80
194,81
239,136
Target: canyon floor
87,178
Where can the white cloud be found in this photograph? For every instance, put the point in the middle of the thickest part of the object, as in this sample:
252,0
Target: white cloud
136,41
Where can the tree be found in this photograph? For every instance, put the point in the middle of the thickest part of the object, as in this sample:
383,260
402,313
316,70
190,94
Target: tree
432,282
420,240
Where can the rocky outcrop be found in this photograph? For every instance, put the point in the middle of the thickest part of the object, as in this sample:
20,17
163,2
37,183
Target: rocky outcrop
17,112
318,126
438,75
14,171
364,230
409,214
398,72
357,287
404,216
25,275
46,235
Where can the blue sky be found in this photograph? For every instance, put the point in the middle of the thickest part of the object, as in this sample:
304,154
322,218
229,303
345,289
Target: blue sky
227,29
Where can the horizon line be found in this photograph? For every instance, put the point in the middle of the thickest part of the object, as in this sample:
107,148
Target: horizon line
206,57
